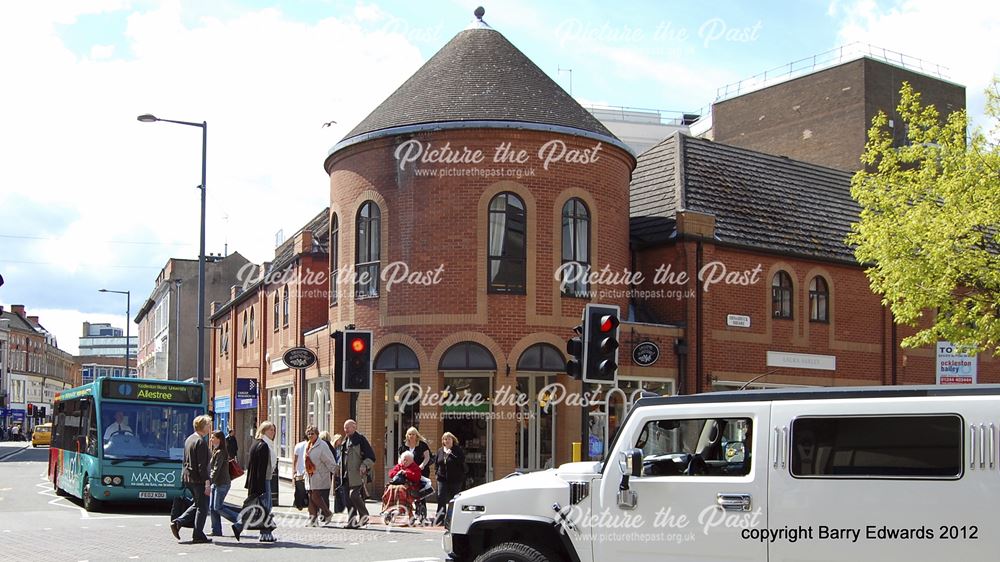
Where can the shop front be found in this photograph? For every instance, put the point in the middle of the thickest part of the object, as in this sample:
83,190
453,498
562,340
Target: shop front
467,406
221,407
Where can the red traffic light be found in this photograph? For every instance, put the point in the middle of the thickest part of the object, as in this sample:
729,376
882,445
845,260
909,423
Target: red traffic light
608,323
357,345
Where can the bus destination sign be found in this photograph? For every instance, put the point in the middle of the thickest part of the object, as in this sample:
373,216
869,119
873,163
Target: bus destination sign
151,392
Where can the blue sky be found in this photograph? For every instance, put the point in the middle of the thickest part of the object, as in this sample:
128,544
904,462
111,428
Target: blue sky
90,198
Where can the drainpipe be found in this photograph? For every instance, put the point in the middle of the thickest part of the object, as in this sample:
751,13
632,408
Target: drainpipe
895,349
699,363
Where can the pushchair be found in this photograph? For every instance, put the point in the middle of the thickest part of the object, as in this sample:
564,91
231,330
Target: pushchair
398,500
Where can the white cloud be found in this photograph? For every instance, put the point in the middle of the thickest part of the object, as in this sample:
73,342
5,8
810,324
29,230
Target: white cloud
960,34
265,84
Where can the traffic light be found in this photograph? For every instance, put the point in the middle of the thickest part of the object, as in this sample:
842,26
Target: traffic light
574,347
600,356
41,412
353,372
31,410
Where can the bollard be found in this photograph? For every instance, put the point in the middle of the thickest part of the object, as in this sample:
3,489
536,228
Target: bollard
577,451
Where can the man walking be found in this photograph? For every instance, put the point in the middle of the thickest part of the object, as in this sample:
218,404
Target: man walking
357,458
232,447
198,480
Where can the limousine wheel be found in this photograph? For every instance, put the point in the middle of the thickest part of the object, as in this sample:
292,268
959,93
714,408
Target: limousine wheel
513,552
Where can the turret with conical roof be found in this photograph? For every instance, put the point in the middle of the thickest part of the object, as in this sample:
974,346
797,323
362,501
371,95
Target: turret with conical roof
479,79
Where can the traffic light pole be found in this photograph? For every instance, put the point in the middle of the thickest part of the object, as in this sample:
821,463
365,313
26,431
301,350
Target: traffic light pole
584,426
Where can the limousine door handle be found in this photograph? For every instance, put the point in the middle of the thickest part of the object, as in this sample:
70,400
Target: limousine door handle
734,502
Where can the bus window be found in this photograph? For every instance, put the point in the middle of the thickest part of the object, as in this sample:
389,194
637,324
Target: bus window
146,431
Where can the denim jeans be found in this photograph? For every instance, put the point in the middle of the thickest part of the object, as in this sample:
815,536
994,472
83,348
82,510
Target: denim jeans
219,509
196,514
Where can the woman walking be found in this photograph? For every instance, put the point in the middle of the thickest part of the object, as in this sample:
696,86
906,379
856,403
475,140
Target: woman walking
320,465
417,445
261,465
219,473
449,465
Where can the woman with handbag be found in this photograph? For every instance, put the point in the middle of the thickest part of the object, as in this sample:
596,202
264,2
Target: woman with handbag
320,464
260,467
219,470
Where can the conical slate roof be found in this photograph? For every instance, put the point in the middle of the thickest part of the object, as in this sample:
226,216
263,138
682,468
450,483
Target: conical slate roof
479,76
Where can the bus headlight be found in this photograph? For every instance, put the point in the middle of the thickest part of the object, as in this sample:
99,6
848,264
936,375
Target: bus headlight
117,480
106,480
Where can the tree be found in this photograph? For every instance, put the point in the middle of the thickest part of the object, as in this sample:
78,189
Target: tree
929,231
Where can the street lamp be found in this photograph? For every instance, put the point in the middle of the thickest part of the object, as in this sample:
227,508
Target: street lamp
128,322
147,118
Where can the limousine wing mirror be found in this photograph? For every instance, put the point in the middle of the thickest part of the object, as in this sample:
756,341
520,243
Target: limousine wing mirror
631,462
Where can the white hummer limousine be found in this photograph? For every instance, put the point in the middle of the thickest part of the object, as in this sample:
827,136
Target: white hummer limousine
839,474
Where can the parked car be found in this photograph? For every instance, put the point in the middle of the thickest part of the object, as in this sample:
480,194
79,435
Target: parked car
881,473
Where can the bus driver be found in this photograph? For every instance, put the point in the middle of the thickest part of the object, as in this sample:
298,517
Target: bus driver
120,426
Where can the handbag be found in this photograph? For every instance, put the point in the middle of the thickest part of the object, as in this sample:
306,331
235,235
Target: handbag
255,516
235,470
341,499
180,505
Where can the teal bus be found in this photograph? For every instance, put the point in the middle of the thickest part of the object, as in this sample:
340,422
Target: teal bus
122,440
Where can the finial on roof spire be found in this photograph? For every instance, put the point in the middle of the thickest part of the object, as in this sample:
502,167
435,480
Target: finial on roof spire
479,13
478,23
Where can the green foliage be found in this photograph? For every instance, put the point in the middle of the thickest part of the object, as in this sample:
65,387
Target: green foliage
930,223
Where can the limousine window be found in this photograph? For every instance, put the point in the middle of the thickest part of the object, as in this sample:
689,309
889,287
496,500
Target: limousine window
877,446
696,447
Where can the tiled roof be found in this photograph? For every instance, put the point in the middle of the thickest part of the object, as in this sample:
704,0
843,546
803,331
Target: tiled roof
758,200
16,322
479,76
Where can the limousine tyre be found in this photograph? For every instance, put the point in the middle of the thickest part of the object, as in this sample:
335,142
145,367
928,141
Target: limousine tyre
89,503
513,552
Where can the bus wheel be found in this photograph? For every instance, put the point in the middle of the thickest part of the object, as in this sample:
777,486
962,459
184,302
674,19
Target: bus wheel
89,503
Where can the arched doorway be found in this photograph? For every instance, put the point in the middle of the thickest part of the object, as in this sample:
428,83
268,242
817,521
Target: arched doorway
468,370
536,424
402,380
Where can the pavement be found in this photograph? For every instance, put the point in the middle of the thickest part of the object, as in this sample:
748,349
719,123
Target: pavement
37,523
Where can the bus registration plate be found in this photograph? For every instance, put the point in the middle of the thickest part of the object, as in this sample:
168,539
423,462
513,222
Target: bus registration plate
152,495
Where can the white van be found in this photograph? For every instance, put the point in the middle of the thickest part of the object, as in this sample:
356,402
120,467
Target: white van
838,474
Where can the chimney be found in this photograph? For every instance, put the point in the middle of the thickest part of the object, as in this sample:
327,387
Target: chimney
33,320
216,305
235,291
304,242
86,329
17,309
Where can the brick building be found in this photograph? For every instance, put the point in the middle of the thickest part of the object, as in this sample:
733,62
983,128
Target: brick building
34,367
450,236
823,117
274,308
168,319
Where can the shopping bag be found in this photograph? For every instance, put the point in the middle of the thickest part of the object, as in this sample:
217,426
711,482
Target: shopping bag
255,516
180,505
301,496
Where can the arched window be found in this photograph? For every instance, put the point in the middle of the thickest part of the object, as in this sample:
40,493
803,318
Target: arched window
276,314
284,305
468,356
781,295
225,338
542,357
397,357
819,300
253,325
243,338
575,247
507,244
369,236
334,257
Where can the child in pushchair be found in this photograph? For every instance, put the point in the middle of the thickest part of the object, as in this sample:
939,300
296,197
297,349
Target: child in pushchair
406,485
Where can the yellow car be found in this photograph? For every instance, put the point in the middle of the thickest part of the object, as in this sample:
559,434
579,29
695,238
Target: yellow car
42,435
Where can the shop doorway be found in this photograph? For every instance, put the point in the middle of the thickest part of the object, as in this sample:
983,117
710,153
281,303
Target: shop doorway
536,425
399,416
470,420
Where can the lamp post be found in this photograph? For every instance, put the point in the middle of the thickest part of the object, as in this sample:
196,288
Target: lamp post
147,118
128,326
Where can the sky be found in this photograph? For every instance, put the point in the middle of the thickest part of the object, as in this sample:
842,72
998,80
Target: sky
91,198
